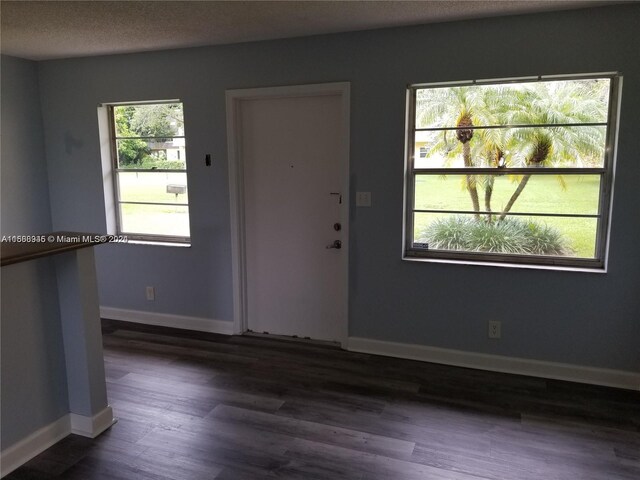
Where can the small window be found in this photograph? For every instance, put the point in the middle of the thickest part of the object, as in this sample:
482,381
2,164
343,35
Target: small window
150,171
516,171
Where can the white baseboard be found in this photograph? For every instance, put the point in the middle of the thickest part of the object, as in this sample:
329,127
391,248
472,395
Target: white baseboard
21,452
498,363
92,426
168,320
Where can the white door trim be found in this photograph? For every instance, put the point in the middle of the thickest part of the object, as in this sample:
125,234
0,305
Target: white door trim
236,184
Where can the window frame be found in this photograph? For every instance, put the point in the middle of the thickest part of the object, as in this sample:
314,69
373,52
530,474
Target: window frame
113,147
605,199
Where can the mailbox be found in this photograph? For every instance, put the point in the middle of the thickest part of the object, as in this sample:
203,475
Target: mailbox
177,189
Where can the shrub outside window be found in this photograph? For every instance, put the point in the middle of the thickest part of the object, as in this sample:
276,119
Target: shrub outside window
511,171
150,175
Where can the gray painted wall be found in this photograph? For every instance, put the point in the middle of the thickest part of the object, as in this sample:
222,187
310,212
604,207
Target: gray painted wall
580,318
25,189
33,384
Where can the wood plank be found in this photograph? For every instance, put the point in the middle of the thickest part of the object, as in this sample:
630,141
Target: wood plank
194,405
318,432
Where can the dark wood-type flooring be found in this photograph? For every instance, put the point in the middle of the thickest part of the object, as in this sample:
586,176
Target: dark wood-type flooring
201,406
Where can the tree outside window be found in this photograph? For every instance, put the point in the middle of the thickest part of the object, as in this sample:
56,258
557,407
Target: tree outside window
518,169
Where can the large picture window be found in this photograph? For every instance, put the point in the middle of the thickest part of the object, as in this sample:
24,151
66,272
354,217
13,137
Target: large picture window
516,171
150,172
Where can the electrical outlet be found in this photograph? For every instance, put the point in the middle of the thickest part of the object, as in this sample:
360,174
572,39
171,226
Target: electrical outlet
151,293
495,329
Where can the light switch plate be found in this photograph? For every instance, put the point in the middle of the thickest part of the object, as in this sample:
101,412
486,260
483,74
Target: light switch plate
363,199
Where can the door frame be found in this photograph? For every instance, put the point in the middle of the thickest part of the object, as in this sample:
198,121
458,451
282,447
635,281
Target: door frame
234,99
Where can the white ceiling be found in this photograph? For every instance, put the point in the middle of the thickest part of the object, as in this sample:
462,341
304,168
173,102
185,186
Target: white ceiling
40,30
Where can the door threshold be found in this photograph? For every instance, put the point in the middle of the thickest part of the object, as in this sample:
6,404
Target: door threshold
293,338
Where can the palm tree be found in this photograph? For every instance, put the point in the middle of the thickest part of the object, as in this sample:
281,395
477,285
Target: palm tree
463,108
540,103
560,102
495,158
464,134
542,146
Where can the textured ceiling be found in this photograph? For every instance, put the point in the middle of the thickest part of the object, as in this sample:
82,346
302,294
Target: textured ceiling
41,30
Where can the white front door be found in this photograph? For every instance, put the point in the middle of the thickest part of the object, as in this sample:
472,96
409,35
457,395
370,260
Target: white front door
291,158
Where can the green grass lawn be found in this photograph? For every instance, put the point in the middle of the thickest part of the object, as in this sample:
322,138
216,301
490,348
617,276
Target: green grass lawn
153,219
543,194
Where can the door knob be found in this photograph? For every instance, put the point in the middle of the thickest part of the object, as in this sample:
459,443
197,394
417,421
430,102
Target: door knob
336,244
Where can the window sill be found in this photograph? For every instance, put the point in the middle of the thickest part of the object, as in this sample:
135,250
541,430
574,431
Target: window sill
531,266
157,243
